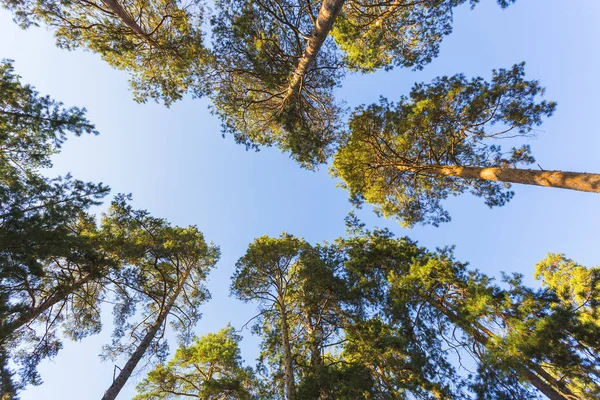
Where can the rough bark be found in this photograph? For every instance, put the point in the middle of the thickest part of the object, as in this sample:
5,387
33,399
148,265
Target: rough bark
139,352
290,386
581,181
327,14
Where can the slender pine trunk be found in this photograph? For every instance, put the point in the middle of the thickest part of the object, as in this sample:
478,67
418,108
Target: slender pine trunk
290,386
327,14
139,352
8,329
581,181
482,336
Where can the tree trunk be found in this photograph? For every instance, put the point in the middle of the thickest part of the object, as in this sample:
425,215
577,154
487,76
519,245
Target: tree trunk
314,344
290,386
581,181
482,336
120,12
388,11
139,352
7,330
327,15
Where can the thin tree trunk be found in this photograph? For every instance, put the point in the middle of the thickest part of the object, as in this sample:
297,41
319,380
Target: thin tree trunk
139,352
327,14
290,386
7,330
581,181
483,339
388,11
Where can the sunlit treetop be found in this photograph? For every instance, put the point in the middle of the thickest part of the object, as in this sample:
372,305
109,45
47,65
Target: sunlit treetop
406,157
159,42
576,286
386,33
210,368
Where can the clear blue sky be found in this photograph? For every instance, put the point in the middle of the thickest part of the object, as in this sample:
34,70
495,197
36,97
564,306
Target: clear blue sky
177,166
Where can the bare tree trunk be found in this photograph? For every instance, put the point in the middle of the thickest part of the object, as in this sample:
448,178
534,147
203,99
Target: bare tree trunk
7,330
290,386
139,352
327,14
482,336
581,181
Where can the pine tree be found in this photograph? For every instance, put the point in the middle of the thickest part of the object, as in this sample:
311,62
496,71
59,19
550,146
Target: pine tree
210,368
159,43
165,268
406,158
49,252
256,46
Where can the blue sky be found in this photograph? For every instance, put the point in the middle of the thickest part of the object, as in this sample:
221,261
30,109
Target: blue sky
176,164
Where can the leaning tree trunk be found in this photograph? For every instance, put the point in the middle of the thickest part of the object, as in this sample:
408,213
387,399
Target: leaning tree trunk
290,385
482,336
581,181
327,15
139,352
7,330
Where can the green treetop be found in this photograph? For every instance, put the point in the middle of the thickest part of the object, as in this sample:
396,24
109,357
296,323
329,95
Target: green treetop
160,43
406,158
382,34
268,274
162,280
210,369
256,47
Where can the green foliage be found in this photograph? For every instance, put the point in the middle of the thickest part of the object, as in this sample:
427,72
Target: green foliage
269,274
394,152
159,261
382,34
257,45
576,286
159,43
49,245
513,333
210,368
32,127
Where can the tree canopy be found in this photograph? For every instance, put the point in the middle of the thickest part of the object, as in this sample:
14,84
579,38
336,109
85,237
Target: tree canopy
50,245
210,368
406,157
367,316
397,317
159,43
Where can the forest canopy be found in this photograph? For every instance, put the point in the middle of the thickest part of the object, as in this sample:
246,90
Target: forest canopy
369,315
